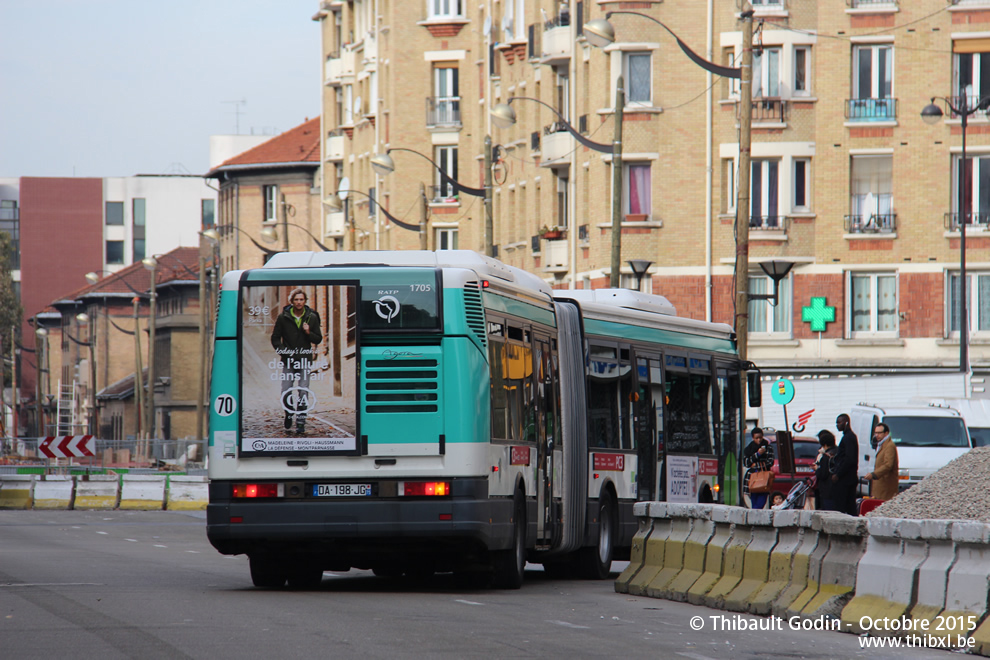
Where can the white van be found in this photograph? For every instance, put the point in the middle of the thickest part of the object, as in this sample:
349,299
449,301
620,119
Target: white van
927,438
976,413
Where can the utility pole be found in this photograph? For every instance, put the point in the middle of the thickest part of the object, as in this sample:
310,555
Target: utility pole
616,265
139,371
489,223
741,321
423,211
200,405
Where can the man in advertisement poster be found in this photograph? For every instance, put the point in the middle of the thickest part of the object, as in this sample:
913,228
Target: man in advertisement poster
296,330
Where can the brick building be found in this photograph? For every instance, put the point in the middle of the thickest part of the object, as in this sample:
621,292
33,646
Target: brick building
847,182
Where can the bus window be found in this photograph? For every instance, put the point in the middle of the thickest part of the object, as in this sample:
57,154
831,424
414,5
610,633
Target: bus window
609,388
688,413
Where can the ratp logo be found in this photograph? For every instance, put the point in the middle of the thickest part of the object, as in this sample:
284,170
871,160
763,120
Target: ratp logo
387,307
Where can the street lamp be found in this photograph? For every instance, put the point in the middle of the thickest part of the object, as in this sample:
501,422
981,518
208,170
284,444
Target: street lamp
268,234
336,203
384,165
776,270
639,268
42,335
504,116
82,318
931,113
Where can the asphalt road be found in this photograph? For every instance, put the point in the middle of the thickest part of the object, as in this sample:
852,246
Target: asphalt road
90,584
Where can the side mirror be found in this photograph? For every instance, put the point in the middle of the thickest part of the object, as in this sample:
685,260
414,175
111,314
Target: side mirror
754,388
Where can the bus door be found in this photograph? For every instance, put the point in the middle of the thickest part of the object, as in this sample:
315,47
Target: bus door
647,420
548,439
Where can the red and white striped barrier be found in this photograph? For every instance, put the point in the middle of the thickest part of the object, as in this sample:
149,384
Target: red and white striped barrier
67,446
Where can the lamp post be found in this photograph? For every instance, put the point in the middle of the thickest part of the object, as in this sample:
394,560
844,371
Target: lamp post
639,268
931,113
84,319
42,335
270,235
335,204
503,116
151,264
384,165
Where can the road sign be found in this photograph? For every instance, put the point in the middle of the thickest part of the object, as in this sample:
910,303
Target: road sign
67,446
782,392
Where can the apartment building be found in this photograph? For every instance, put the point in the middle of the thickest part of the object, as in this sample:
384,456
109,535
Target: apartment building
847,181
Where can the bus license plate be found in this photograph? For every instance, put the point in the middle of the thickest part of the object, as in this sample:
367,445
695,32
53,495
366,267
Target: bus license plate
341,490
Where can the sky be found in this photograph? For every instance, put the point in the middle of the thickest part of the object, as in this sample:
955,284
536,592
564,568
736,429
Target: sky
103,88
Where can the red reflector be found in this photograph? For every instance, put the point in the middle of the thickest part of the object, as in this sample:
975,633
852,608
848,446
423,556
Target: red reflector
596,475
494,468
255,490
446,516
236,519
420,488
485,284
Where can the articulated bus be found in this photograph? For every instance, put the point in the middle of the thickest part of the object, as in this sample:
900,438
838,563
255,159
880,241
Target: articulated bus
420,412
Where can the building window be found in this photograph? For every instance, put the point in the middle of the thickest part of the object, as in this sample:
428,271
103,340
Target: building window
977,303
802,58
637,188
764,194
730,184
270,194
139,250
802,171
975,176
872,193
636,70
765,318
873,81
115,252
445,106
208,213
766,73
10,223
446,159
372,203
445,8
873,305
446,238
115,214
563,196
971,69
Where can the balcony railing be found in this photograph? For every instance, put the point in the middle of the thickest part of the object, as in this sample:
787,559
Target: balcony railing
874,223
980,220
769,110
768,222
443,111
871,109
442,194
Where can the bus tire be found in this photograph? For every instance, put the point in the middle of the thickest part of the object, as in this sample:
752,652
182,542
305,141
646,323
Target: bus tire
267,572
510,565
596,561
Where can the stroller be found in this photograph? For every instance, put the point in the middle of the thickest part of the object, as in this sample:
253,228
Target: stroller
797,495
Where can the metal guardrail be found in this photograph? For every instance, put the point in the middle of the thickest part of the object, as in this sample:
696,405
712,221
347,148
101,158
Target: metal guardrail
871,109
875,223
978,219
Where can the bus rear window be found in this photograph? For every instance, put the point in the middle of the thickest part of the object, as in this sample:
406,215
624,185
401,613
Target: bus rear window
411,302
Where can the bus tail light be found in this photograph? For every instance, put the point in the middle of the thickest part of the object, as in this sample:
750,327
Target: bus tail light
259,490
421,488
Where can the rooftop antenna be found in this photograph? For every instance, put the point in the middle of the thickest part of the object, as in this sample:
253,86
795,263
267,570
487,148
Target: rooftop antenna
237,114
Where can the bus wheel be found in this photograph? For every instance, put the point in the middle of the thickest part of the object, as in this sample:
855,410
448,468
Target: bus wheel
305,574
510,565
596,561
267,571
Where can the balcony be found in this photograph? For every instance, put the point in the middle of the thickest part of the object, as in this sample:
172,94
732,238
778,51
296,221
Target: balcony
768,223
335,145
558,145
979,220
874,223
443,112
442,194
554,255
339,65
871,109
557,45
769,110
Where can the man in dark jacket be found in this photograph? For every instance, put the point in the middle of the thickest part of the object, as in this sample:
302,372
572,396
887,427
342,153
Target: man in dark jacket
845,468
296,329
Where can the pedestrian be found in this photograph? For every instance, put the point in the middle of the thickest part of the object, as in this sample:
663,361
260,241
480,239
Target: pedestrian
884,478
845,467
777,500
757,457
296,329
823,471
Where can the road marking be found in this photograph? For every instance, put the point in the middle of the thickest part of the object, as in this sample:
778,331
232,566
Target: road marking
104,533
569,625
467,602
53,584
195,552
159,545
132,540
694,656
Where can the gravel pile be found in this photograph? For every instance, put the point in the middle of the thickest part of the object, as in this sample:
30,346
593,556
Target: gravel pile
956,492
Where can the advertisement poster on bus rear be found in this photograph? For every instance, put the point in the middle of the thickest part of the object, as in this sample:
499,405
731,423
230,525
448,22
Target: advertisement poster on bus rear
298,369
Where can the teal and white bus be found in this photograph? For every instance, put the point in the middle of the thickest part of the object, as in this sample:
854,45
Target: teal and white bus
418,412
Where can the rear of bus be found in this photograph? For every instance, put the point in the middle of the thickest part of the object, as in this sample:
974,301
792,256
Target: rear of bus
379,458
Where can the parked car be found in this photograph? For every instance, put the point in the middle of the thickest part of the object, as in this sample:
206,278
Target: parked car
805,452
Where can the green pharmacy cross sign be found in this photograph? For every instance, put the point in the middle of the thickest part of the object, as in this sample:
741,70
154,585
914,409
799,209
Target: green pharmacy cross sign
818,314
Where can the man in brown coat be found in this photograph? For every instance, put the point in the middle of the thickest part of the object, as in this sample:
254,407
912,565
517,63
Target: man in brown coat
884,478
